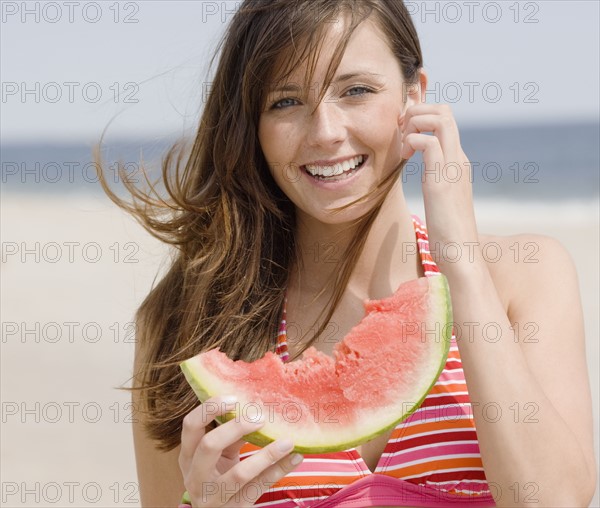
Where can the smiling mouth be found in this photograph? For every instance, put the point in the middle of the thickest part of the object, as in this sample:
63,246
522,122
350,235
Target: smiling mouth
337,171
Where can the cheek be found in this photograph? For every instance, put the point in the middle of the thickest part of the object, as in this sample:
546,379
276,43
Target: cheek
273,146
274,141
381,127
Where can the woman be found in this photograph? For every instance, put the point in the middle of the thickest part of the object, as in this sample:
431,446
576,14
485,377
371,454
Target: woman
315,108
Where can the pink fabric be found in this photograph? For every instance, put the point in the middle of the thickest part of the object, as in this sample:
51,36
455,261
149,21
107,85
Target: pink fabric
381,490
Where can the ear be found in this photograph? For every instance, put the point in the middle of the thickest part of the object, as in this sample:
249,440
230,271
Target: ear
416,93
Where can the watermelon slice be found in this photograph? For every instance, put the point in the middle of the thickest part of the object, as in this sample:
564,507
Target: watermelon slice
379,374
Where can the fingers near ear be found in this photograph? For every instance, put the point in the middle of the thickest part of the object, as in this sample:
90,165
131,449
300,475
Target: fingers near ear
442,126
430,146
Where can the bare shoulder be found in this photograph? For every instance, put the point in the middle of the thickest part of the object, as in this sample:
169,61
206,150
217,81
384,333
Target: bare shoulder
528,265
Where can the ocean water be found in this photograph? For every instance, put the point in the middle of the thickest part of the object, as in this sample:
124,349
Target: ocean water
532,164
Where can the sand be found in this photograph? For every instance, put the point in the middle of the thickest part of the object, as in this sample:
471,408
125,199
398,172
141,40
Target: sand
74,269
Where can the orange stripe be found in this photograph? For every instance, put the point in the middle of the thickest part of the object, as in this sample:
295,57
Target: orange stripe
454,354
432,465
320,481
450,388
249,447
431,427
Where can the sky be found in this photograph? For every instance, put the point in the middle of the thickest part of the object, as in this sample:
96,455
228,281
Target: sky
69,68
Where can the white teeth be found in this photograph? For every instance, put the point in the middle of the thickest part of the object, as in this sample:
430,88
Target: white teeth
334,169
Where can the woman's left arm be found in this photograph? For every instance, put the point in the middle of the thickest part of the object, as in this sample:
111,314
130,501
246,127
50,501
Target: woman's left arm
526,370
521,335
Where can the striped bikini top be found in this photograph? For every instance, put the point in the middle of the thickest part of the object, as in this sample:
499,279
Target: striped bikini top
431,459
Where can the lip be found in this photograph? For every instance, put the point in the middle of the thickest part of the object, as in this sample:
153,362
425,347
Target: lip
334,185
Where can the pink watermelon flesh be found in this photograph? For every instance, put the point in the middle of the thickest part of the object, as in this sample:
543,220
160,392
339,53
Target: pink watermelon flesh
379,374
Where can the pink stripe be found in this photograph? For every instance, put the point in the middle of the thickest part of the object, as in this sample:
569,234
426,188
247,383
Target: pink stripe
439,415
285,503
473,486
381,490
329,468
433,453
456,375
445,412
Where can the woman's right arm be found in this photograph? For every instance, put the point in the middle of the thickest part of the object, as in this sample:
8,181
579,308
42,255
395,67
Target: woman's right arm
159,477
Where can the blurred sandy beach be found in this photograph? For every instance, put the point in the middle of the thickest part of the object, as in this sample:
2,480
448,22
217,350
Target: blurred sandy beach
74,269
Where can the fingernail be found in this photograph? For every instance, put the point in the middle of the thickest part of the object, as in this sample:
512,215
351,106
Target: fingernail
229,400
285,444
296,458
257,420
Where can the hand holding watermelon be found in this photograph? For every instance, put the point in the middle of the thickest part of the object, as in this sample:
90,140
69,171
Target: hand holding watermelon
212,470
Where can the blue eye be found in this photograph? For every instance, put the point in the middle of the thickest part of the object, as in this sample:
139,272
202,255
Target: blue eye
358,91
284,103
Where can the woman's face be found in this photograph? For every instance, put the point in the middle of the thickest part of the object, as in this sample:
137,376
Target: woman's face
326,155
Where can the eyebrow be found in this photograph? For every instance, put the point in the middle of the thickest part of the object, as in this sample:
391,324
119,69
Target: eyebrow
294,87
352,75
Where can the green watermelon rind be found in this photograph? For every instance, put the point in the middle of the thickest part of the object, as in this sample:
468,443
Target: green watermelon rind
438,285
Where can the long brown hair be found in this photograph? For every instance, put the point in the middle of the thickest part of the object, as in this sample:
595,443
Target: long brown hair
231,226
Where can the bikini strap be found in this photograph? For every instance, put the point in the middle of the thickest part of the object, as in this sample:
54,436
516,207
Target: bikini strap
429,266
282,348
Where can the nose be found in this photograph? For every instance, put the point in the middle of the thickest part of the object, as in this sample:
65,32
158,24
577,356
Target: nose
325,126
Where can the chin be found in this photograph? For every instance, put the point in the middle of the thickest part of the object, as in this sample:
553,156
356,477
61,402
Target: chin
344,217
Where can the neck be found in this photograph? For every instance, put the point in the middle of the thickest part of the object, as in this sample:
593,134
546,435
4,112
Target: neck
388,257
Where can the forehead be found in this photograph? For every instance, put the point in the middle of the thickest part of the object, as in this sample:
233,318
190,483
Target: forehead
310,61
